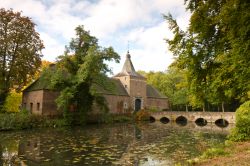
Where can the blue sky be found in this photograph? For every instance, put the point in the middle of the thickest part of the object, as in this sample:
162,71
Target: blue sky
113,22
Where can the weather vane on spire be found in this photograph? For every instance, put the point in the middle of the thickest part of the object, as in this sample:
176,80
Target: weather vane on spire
128,55
128,46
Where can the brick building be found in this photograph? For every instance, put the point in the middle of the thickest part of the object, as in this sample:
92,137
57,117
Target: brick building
131,93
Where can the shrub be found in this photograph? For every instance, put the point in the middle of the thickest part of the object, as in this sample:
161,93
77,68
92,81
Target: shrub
142,115
241,131
24,120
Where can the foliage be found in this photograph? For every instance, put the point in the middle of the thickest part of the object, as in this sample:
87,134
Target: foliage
13,102
20,51
77,72
172,83
241,132
142,115
214,51
24,120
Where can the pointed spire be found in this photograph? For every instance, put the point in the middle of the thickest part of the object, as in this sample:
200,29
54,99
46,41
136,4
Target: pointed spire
128,68
128,55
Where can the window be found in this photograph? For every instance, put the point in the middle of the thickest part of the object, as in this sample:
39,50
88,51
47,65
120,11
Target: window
38,106
125,106
31,107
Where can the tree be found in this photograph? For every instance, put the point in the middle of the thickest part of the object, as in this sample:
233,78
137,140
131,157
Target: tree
214,50
78,72
13,102
20,51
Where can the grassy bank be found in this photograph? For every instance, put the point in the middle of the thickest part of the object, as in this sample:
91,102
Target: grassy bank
232,153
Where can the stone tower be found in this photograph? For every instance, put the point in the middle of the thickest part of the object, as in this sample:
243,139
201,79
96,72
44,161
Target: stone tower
134,83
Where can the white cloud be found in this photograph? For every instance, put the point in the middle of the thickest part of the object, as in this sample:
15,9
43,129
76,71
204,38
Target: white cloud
113,22
150,50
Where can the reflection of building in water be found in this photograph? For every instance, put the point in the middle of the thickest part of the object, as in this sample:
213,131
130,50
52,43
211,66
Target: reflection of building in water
30,149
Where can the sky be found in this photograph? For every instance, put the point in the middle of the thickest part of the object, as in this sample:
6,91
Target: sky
114,22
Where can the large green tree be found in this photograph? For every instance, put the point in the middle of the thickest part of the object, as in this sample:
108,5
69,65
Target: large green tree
77,74
214,50
20,51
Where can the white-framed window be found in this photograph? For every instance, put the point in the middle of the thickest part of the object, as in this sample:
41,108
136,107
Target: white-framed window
125,105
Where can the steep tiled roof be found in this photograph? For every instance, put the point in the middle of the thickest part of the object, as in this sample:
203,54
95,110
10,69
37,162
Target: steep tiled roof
39,84
154,93
116,87
128,69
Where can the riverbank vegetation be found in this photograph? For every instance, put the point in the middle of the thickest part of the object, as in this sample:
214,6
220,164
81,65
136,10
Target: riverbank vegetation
24,120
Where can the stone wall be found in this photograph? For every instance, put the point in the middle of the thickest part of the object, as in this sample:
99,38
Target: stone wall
41,102
33,101
49,103
118,104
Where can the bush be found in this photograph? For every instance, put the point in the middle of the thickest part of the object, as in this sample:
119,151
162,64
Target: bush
24,120
142,115
241,131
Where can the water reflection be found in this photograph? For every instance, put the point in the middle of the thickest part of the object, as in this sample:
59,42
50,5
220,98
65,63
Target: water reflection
120,144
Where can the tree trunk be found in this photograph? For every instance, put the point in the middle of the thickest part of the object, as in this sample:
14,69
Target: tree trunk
223,110
3,96
222,106
186,108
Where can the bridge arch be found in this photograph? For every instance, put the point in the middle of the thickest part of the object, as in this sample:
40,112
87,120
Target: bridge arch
152,119
201,122
164,120
181,120
221,122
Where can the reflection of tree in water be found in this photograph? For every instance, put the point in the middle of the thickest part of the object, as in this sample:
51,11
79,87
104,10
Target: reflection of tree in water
1,155
9,152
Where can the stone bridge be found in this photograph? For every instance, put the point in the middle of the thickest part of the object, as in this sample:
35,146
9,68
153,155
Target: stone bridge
209,117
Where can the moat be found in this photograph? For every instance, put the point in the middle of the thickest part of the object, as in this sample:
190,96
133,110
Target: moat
143,144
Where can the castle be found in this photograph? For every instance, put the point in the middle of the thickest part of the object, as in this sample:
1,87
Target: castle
131,94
